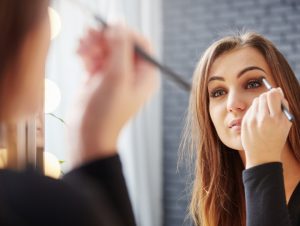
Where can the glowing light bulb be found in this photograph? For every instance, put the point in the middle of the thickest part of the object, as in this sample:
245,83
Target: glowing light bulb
51,165
52,96
55,22
3,158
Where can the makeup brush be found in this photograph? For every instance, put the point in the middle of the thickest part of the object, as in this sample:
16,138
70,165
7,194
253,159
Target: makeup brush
288,114
168,72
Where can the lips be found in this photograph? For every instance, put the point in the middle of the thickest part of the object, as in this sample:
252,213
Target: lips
235,123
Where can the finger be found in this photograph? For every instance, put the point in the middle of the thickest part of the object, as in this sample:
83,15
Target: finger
96,32
92,51
146,78
263,108
285,103
255,107
142,42
251,112
82,48
120,52
274,98
146,46
85,45
255,104
94,40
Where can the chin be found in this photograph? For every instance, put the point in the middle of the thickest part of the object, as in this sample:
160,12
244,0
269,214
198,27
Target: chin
234,144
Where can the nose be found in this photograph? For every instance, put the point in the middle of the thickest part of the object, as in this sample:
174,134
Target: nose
236,103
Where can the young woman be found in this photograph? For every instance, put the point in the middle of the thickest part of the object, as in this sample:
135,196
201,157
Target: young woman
119,82
247,152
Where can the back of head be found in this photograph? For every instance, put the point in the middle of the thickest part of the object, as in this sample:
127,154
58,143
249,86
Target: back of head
17,19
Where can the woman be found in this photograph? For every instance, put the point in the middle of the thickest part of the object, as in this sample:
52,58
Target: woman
117,85
241,137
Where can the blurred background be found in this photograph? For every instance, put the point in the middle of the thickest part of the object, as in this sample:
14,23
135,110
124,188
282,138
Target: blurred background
180,30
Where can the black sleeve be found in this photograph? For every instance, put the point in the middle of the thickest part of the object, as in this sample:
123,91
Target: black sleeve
265,196
105,176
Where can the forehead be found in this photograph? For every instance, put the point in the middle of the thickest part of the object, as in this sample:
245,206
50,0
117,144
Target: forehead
232,62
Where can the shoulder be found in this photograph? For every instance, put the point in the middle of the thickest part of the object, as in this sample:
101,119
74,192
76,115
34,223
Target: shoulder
294,205
35,199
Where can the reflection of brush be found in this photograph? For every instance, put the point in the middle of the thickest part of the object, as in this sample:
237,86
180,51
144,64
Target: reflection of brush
289,115
140,52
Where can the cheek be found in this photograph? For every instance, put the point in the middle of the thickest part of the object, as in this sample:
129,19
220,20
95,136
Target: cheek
218,113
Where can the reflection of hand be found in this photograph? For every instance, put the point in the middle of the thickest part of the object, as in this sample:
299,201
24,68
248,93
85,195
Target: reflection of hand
119,83
265,129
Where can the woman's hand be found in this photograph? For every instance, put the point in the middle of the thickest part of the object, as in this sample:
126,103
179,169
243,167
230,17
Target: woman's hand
265,129
118,84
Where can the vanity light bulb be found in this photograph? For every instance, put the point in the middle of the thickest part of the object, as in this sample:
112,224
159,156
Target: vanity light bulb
55,23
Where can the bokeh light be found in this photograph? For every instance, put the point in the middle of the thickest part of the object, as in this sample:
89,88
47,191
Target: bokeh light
52,96
55,23
51,165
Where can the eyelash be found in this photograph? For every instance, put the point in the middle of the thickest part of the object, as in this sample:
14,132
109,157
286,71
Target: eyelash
258,83
216,93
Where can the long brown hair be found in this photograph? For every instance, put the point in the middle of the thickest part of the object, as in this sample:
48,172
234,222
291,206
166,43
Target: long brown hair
218,195
17,19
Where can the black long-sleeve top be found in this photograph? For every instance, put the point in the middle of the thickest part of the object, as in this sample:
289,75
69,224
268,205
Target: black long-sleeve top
96,194
92,195
265,197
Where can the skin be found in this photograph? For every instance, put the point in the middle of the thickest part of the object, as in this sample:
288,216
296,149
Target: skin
261,135
116,86
26,94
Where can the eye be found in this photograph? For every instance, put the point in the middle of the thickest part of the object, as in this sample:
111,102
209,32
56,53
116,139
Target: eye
252,84
217,93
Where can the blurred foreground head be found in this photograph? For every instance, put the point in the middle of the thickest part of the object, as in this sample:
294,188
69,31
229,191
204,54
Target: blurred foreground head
24,42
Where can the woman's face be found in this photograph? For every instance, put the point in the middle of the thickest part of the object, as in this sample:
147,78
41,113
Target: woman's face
28,99
233,83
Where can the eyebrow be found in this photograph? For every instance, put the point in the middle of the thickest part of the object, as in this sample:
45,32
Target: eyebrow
251,68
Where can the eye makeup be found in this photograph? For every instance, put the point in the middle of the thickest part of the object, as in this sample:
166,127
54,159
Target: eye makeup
288,114
217,92
253,83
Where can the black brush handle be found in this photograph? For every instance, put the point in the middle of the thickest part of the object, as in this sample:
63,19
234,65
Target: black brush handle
171,75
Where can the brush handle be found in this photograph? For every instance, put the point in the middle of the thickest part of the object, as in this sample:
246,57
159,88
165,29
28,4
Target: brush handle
166,70
288,114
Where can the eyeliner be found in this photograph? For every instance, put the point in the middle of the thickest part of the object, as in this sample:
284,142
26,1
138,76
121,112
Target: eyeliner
288,114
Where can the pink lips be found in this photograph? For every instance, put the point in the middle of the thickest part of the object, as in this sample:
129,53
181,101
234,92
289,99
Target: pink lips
236,123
